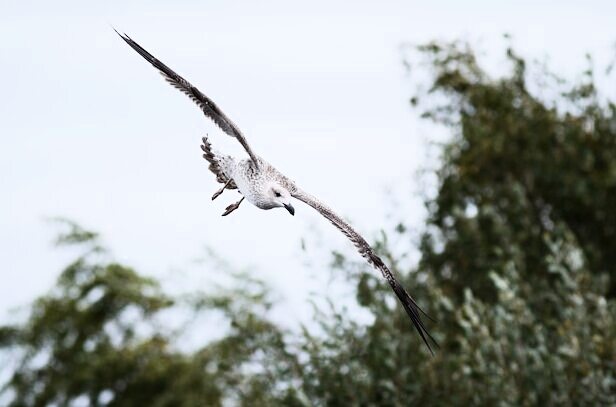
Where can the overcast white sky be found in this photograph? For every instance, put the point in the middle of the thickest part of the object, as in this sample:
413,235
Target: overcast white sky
89,131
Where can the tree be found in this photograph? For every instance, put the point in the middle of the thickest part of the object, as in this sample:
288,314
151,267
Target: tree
97,339
527,166
517,267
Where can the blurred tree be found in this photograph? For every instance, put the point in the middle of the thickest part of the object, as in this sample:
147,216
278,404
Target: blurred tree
520,167
98,339
517,265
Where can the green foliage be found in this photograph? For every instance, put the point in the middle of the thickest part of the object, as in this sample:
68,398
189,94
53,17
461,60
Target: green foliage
98,337
519,165
517,266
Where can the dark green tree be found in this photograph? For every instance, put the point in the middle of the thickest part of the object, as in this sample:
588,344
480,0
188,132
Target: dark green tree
520,168
99,338
517,257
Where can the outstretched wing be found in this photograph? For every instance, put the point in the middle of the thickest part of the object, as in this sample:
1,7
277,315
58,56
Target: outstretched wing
410,306
209,108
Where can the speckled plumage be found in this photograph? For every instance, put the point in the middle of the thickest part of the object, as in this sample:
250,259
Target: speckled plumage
251,180
266,187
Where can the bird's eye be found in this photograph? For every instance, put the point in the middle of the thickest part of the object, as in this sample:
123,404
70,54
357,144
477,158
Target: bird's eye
277,194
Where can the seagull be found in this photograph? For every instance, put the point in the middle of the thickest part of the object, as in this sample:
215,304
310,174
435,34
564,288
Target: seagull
267,188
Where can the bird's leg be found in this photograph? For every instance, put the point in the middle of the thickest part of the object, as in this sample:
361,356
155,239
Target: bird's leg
221,190
232,207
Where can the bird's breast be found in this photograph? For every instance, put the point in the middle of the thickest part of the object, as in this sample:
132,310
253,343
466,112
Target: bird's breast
250,187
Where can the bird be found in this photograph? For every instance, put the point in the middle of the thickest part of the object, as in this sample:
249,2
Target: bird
264,186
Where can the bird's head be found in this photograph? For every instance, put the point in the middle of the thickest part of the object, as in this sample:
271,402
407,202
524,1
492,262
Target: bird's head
279,197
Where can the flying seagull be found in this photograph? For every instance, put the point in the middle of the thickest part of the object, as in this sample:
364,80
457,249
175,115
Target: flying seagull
266,188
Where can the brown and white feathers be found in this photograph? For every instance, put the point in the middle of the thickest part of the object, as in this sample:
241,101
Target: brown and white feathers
255,179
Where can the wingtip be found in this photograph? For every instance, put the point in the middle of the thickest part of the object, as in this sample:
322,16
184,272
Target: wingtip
122,35
414,312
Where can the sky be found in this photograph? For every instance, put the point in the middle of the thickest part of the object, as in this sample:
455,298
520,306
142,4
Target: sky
89,131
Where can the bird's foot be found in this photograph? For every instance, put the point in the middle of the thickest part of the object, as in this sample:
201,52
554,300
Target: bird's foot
221,190
217,193
232,207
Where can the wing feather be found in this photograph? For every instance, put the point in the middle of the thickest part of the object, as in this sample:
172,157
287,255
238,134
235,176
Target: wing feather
209,108
410,306
211,157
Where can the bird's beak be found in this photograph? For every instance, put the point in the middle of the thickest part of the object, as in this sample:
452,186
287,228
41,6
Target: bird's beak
289,208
